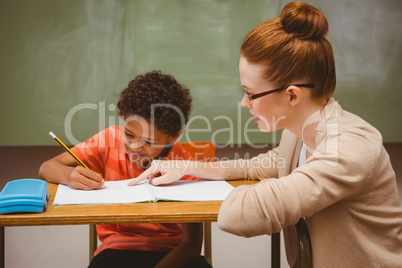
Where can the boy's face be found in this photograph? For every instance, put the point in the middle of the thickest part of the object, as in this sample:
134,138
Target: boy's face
142,141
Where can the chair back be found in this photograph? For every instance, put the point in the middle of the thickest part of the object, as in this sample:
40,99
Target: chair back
201,151
305,254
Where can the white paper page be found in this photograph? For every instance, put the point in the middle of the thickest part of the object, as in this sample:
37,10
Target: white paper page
193,191
115,192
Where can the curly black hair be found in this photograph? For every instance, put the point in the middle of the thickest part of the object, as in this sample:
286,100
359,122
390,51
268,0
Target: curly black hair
158,97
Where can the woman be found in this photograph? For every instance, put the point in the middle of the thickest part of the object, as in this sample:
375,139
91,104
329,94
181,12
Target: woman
330,166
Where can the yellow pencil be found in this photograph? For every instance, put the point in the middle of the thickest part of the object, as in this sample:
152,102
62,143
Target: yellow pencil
71,153
68,150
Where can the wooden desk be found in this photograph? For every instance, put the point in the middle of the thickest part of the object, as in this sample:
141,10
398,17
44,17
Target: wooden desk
160,212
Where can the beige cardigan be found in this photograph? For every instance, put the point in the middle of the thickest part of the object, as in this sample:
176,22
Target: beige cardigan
346,191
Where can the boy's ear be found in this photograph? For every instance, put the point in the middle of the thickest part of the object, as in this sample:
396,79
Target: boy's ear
173,139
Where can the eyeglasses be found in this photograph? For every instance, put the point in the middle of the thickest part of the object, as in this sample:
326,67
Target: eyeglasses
252,97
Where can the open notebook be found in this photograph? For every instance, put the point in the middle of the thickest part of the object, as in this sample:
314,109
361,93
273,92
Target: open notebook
119,192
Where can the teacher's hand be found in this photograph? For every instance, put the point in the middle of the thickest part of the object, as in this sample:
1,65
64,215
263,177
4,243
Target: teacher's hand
163,172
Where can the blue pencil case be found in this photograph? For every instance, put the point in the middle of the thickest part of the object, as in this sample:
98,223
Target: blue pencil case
24,196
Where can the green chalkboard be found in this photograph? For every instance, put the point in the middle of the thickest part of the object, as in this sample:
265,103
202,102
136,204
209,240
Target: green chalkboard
63,63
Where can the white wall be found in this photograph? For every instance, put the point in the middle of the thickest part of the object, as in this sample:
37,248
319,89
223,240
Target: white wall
234,251
45,246
68,246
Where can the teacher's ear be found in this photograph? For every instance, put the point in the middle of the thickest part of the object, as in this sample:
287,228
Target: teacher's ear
295,95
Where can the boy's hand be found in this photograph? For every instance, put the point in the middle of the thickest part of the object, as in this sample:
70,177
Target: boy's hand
162,172
83,179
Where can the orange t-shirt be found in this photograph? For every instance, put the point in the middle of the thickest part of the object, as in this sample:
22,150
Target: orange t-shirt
105,153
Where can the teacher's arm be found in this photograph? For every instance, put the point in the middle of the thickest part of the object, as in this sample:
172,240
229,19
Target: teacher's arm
168,171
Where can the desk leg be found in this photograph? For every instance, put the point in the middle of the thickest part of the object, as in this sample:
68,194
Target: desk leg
2,248
207,242
93,241
276,250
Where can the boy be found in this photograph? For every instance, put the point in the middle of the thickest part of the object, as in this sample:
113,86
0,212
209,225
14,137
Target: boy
155,108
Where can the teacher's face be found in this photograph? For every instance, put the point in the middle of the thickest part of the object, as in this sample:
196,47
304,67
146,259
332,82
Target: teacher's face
267,111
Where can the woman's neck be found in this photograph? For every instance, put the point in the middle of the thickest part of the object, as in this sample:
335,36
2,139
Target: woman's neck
307,118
